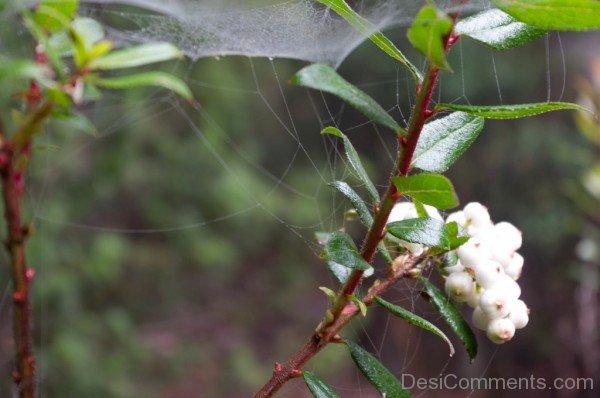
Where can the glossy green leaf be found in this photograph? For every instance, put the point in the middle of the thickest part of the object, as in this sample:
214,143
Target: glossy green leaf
414,320
136,56
76,121
60,12
430,189
377,374
443,140
317,387
427,35
158,79
368,29
511,111
554,14
452,316
428,231
359,205
325,78
497,29
354,161
340,249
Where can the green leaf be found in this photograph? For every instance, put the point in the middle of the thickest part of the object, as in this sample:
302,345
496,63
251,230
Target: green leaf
511,111
317,387
427,35
377,374
361,306
497,29
76,121
354,161
159,79
23,69
452,317
428,231
414,320
443,140
430,189
368,29
359,205
340,249
325,78
136,56
89,31
61,11
554,14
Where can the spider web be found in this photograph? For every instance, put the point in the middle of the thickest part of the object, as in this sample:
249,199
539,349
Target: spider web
262,82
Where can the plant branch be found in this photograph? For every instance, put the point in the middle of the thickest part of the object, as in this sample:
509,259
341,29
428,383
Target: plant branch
343,310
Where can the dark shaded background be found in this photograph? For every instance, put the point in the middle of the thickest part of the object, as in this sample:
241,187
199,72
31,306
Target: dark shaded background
174,252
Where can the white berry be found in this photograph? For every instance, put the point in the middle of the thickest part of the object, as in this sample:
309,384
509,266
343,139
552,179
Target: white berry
509,234
480,320
459,286
488,273
519,314
515,267
500,330
477,215
495,303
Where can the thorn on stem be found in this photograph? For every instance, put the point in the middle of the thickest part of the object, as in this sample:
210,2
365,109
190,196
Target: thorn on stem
19,297
29,274
16,376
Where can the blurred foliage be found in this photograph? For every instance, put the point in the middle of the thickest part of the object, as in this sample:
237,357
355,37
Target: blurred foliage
174,252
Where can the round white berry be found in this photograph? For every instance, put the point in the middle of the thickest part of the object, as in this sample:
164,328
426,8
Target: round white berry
500,331
402,211
454,268
480,320
519,314
509,234
508,286
488,273
471,253
495,303
502,253
459,286
473,299
477,215
433,212
515,267
457,217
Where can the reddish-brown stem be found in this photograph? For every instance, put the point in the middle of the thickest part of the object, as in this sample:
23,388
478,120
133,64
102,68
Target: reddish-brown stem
12,151
343,310
24,376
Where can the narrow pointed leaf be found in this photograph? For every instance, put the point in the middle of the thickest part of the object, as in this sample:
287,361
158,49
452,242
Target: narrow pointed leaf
414,320
443,140
158,79
511,111
325,78
497,29
317,387
341,250
554,14
359,205
23,69
377,374
354,161
427,35
428,231
452,316
143,54
430,189
63,9
368,29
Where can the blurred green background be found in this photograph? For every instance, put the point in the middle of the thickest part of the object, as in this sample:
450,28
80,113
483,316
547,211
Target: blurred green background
175,254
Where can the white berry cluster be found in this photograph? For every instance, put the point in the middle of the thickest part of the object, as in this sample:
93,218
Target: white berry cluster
486,272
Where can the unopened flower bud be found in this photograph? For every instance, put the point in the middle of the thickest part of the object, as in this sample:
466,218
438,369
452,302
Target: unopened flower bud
500,330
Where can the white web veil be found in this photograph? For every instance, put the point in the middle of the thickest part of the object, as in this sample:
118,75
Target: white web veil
298,29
